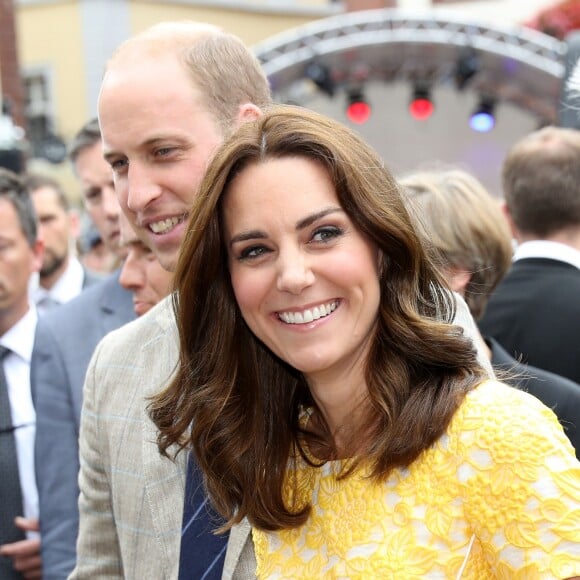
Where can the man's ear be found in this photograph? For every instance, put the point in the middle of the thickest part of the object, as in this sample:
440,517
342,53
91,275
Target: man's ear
37,255
508,216
458,279
248,112
75,224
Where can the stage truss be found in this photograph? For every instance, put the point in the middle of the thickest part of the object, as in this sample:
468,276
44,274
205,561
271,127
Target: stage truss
517,65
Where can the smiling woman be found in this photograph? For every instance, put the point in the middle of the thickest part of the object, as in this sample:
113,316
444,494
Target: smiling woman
325,392
300,270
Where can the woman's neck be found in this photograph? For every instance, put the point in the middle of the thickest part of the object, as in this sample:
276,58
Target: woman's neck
343,404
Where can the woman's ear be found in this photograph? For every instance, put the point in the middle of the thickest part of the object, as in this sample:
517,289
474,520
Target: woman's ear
381,266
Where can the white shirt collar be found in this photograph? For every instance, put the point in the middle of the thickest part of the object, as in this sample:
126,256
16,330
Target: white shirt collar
20,338
67,287
547,249
70,284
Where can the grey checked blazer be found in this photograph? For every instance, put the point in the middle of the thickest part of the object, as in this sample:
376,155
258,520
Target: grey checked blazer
131,499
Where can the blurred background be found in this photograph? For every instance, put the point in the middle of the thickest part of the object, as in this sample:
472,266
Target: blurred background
423,81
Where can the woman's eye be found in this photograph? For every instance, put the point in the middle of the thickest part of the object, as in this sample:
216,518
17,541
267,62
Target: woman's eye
326,234
252,252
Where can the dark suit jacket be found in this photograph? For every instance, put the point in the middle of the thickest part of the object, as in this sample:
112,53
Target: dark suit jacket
65,340
535,315
556,392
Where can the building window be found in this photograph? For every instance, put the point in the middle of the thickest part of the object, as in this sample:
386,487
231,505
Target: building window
38,109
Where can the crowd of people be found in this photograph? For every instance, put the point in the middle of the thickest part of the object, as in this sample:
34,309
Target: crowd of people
292,363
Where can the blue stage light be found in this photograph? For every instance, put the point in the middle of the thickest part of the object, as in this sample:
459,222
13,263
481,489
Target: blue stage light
483,119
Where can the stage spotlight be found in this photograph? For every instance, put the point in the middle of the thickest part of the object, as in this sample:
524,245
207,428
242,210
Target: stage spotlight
321,76
358,109
483,119
421,106
467,66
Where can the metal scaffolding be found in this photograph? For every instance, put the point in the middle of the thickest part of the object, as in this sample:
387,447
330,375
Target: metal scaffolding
516,64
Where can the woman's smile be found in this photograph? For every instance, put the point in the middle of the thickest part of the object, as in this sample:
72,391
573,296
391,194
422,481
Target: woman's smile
306,315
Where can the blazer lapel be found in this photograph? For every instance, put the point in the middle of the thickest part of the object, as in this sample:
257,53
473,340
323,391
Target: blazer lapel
164,478
240,538
115,304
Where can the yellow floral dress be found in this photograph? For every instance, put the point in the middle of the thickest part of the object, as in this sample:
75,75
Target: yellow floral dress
498,496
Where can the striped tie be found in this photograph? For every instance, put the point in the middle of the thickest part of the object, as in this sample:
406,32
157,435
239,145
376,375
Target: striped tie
202,553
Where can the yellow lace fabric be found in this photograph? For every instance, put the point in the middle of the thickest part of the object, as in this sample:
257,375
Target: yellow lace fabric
498,496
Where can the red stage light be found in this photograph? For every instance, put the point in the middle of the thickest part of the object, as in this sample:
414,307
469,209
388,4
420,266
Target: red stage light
358,111
421,108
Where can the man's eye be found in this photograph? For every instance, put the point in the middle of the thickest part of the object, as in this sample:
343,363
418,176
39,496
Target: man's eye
92,194
118,164
164,151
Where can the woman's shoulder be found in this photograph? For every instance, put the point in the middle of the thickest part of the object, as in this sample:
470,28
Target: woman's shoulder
493,400
497,417
519,476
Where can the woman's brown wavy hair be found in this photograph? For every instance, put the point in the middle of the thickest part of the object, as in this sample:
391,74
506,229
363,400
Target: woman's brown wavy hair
238,405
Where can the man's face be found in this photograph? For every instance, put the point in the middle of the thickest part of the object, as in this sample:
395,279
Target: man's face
55,229
98,194
158,139
17,262
143,276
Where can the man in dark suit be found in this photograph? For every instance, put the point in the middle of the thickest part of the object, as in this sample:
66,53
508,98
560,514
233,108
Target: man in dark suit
20,256
535,311
62,277
65,340
466,227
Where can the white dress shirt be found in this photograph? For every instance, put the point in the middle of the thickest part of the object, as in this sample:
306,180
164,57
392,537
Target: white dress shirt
19,339
67,287
550,250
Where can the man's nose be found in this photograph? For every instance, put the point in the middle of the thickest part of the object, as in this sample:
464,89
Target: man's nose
131,276
111,207
142,188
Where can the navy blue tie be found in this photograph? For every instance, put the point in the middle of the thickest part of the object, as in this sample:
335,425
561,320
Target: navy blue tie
202,553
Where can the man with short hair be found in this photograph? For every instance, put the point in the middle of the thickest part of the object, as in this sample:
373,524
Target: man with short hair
20,257
169,97
534,313
96,182
65,340
142,274
62,277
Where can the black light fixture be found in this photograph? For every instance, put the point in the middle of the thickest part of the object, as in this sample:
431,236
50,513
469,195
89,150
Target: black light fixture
467,66
321,75
358,109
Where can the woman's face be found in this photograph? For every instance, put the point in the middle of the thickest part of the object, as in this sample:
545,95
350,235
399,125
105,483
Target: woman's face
305,279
